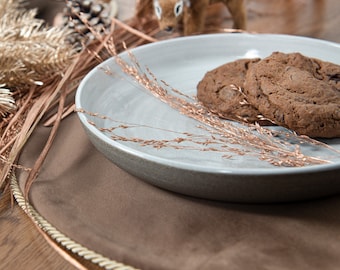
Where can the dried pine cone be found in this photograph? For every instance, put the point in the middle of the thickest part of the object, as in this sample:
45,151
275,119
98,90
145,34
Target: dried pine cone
79,14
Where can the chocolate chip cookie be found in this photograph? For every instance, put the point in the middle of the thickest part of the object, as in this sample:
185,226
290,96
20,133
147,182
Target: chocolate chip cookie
221,91
297,92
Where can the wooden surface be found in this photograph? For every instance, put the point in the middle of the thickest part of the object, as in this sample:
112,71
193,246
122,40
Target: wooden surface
22,246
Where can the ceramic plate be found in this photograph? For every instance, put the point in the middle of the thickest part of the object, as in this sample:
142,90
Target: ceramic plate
192,169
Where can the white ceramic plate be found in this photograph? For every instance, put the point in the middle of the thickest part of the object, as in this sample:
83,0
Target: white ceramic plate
182,63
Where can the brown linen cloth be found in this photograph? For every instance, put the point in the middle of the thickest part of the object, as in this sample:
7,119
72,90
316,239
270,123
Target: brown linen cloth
121,217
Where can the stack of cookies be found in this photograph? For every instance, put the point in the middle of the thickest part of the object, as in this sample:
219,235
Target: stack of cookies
290,90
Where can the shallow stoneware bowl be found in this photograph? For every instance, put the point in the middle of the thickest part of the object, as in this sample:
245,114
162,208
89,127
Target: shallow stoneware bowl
120,115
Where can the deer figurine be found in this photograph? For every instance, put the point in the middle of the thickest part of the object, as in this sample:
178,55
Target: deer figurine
192,13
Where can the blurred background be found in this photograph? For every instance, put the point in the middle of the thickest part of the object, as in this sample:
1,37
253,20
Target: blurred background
314,18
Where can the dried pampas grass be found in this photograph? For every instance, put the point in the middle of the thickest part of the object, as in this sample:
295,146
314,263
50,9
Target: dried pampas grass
30,52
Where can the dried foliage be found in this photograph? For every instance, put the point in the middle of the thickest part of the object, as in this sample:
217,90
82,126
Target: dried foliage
30,53
32,59
47,80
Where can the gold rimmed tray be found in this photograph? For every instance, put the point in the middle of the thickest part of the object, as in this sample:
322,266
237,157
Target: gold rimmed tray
58,236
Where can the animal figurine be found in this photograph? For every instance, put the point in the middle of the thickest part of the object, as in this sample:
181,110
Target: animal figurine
192,14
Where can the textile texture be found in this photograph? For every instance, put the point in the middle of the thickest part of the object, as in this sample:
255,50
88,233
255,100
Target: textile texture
121,217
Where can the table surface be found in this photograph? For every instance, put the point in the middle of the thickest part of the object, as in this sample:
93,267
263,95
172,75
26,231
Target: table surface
23,247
